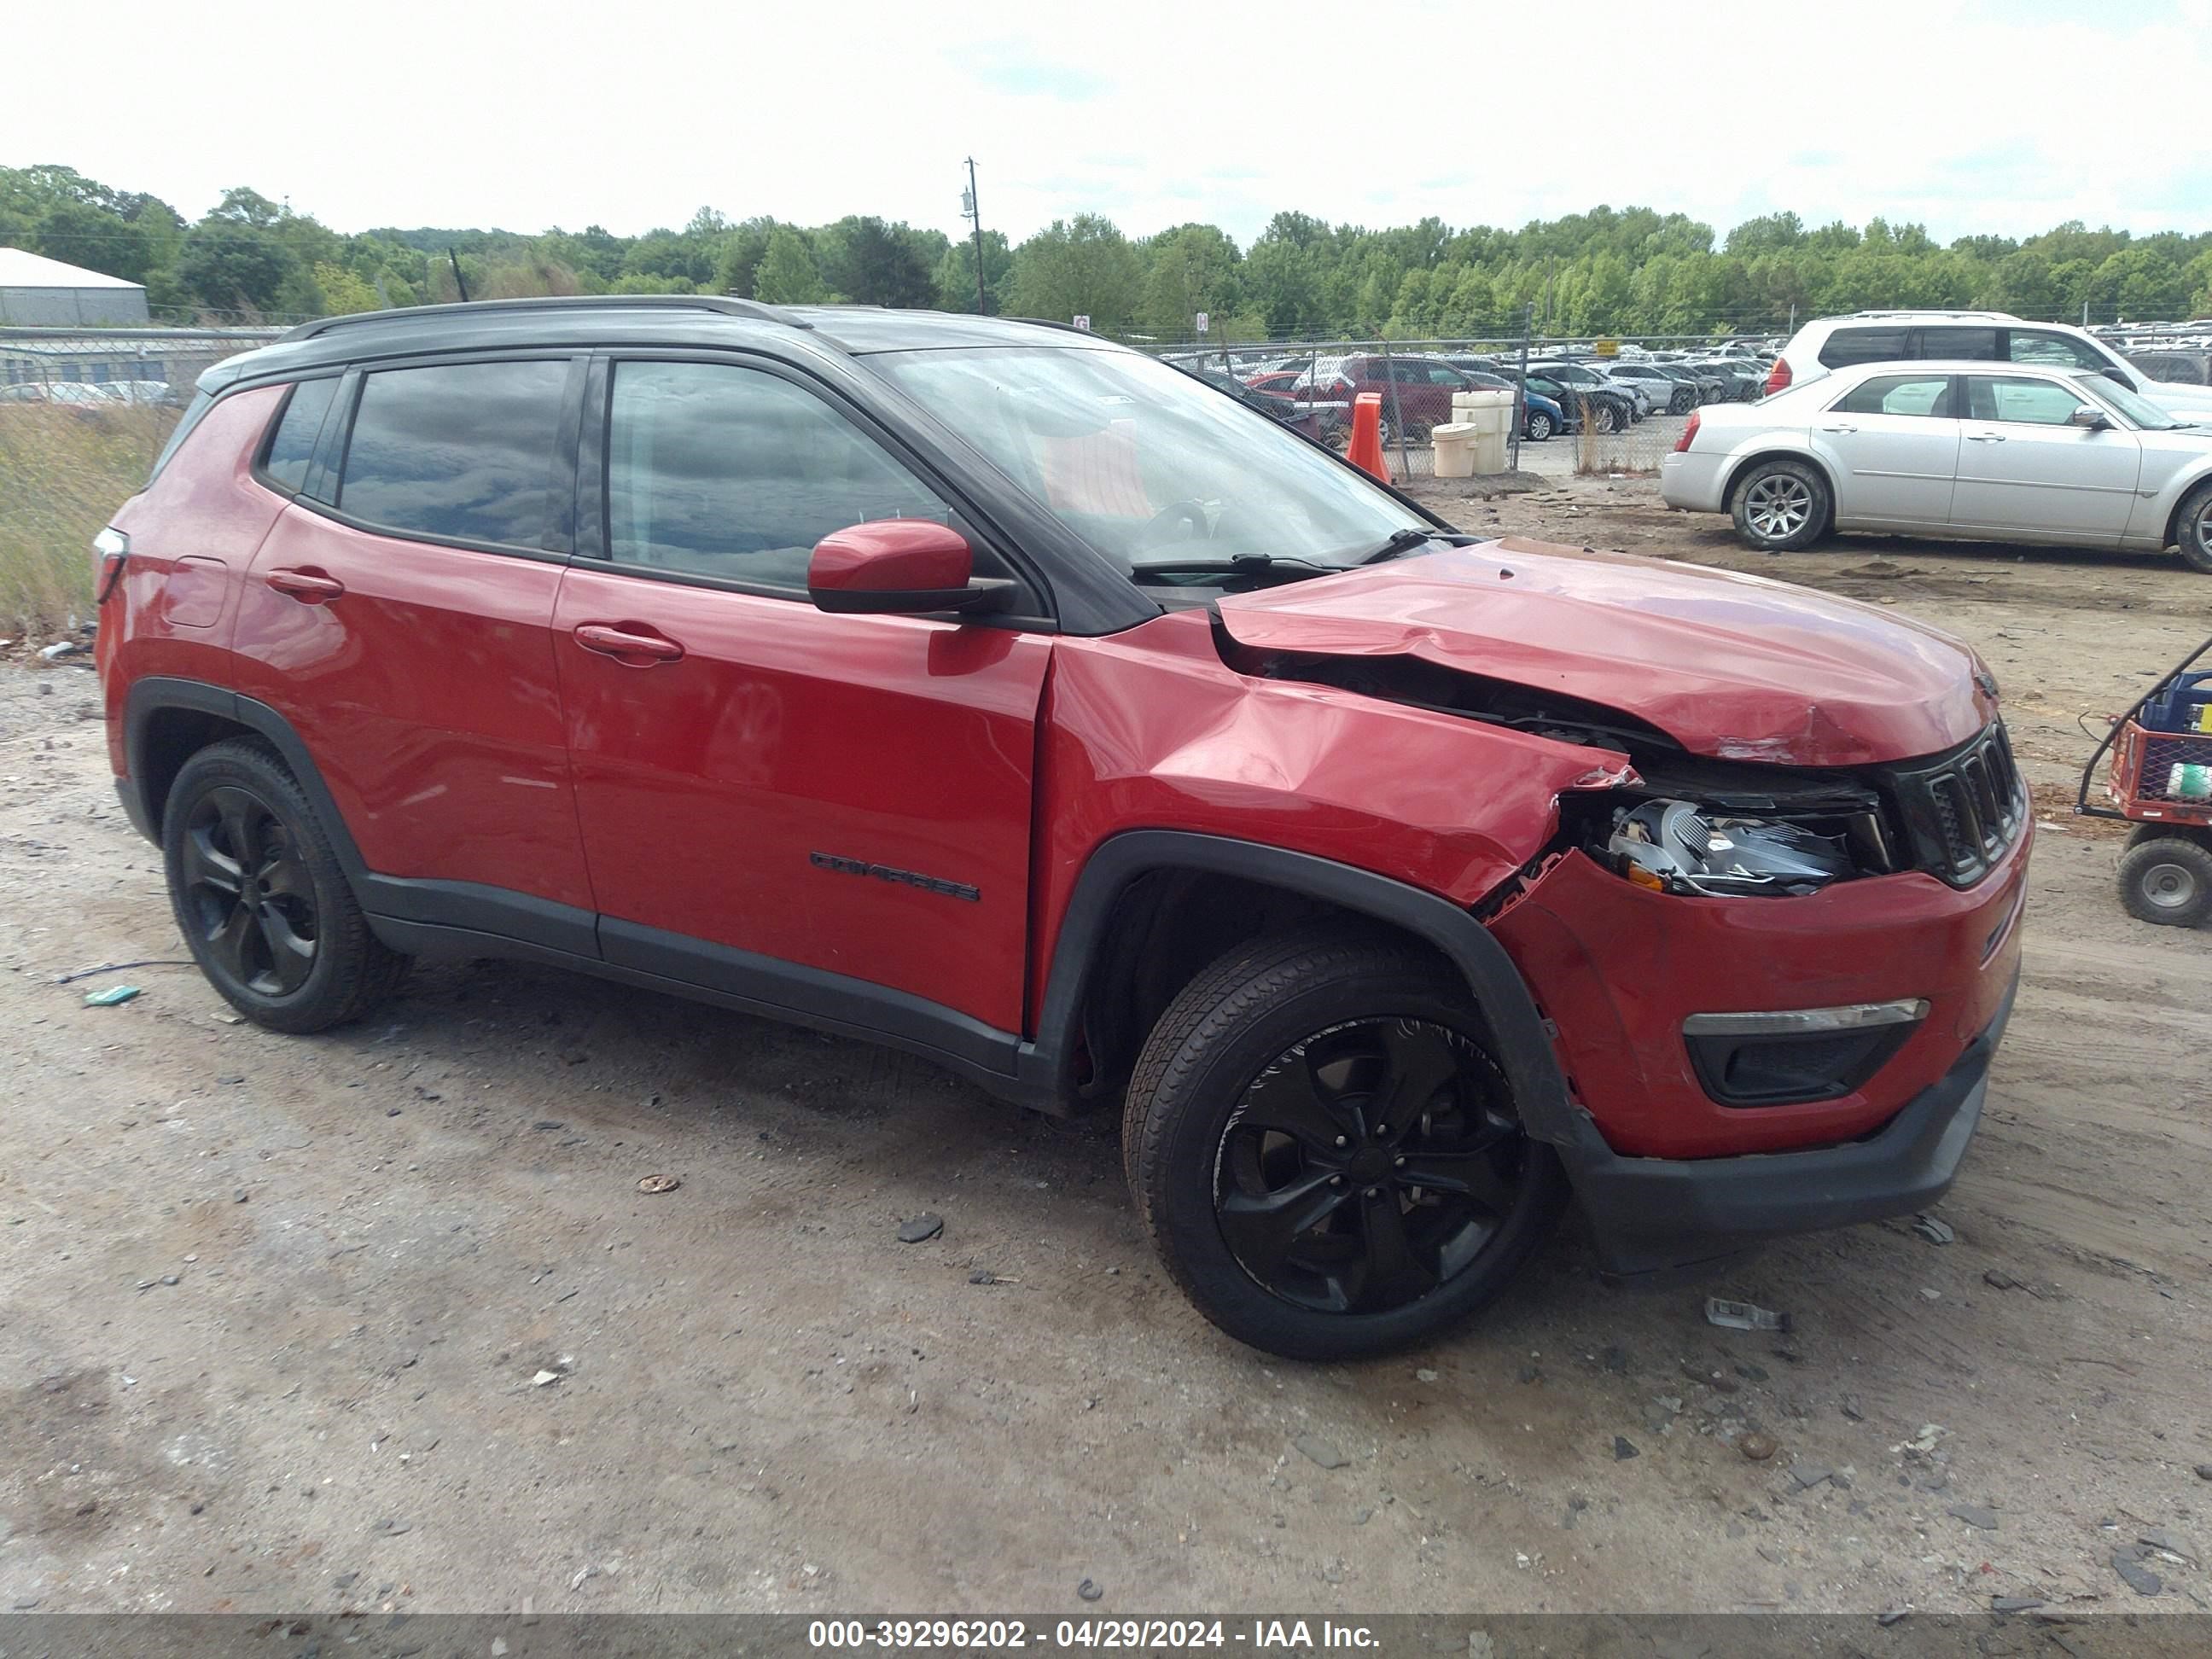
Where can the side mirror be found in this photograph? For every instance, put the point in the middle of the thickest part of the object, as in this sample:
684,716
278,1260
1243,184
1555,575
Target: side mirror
2094,420
2119,376
899,565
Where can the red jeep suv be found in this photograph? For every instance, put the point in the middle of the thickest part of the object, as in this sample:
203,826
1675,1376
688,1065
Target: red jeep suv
995,692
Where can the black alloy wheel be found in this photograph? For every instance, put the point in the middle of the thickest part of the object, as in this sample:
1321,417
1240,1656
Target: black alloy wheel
262,897
246,889
1326,1151
1368,1165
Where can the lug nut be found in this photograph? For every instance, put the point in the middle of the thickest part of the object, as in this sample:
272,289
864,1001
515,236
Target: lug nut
1344,1141
1336,1181
1374,1192
1399,1162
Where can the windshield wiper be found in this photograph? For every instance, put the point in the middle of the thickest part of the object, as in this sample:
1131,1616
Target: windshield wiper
1239,564
1413,536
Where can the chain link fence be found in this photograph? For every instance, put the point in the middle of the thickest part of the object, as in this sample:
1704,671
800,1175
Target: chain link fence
1583,405
83,412
92,367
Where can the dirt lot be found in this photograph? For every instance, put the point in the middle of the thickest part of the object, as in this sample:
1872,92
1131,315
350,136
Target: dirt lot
382,1318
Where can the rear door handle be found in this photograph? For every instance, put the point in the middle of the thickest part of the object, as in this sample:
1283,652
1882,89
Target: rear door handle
1985,437
308,586
635,650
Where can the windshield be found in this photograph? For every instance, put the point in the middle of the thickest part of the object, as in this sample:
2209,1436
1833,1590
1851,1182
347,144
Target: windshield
1145,462
2140,410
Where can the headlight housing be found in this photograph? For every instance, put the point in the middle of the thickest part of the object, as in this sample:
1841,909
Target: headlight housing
1681,846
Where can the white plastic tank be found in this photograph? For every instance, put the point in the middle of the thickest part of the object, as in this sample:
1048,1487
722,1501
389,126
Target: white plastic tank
1489,410
1456,443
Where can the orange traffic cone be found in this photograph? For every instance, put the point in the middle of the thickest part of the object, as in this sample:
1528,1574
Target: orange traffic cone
1365,451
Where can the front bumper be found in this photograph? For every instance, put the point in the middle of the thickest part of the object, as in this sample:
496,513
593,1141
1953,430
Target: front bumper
1653,1214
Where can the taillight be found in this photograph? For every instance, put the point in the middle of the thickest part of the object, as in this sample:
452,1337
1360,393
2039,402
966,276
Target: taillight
1778,378
114,550
1689,431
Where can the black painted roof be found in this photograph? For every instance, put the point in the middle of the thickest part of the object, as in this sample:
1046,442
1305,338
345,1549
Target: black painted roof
628,320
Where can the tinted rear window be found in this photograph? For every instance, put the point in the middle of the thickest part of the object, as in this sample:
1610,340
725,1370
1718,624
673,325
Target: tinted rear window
464,450
293,444
1974,344
1863,345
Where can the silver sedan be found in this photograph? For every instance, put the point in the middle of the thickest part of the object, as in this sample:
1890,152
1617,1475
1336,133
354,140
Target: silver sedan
2010,451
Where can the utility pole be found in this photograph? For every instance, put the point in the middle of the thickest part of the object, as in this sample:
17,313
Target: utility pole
974,211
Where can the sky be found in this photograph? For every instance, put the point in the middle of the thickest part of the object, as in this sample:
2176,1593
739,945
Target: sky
2006,118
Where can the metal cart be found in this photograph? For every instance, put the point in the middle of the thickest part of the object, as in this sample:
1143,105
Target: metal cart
2161,782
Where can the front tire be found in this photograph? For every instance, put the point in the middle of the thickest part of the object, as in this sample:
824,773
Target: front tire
1326,1152
2168,880
1540,427
1781,506
2193,530
260,896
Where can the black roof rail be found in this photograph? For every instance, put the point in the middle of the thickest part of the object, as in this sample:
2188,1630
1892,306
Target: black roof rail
727,304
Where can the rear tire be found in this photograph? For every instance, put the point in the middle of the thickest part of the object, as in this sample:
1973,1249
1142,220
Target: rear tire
2168,880
1781,506
1280,1121
2193,530
260,896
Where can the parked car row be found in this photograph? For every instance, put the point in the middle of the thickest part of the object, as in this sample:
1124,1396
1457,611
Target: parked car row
85,394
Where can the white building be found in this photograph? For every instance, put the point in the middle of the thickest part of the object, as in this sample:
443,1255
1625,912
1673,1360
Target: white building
36,292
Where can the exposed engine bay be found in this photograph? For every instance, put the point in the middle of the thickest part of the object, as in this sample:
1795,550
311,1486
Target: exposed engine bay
1679,823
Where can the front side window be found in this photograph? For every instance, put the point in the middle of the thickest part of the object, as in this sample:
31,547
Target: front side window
293,444
715,470
2058,350
1143,463
461,450
1863,345
2029,403
1898,394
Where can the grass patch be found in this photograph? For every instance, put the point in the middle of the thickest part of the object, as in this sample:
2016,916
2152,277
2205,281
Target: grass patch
63,471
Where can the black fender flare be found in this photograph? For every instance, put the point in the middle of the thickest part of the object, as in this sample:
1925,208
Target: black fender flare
157,693
1523,1039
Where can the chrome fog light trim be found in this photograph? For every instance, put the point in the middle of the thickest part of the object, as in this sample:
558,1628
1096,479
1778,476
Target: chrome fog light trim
1784,1022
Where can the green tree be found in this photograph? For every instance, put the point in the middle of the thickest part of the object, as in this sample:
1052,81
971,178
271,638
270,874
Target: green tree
1189,269
228,267
1770,233
786,275
1079,267
956,274
866,260
79,234
742,249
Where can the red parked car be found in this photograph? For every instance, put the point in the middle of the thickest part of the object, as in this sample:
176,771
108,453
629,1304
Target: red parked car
992,691
1418,389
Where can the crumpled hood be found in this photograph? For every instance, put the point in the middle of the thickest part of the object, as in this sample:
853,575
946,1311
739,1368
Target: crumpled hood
1731,666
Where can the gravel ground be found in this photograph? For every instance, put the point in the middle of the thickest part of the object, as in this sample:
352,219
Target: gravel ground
381,1318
